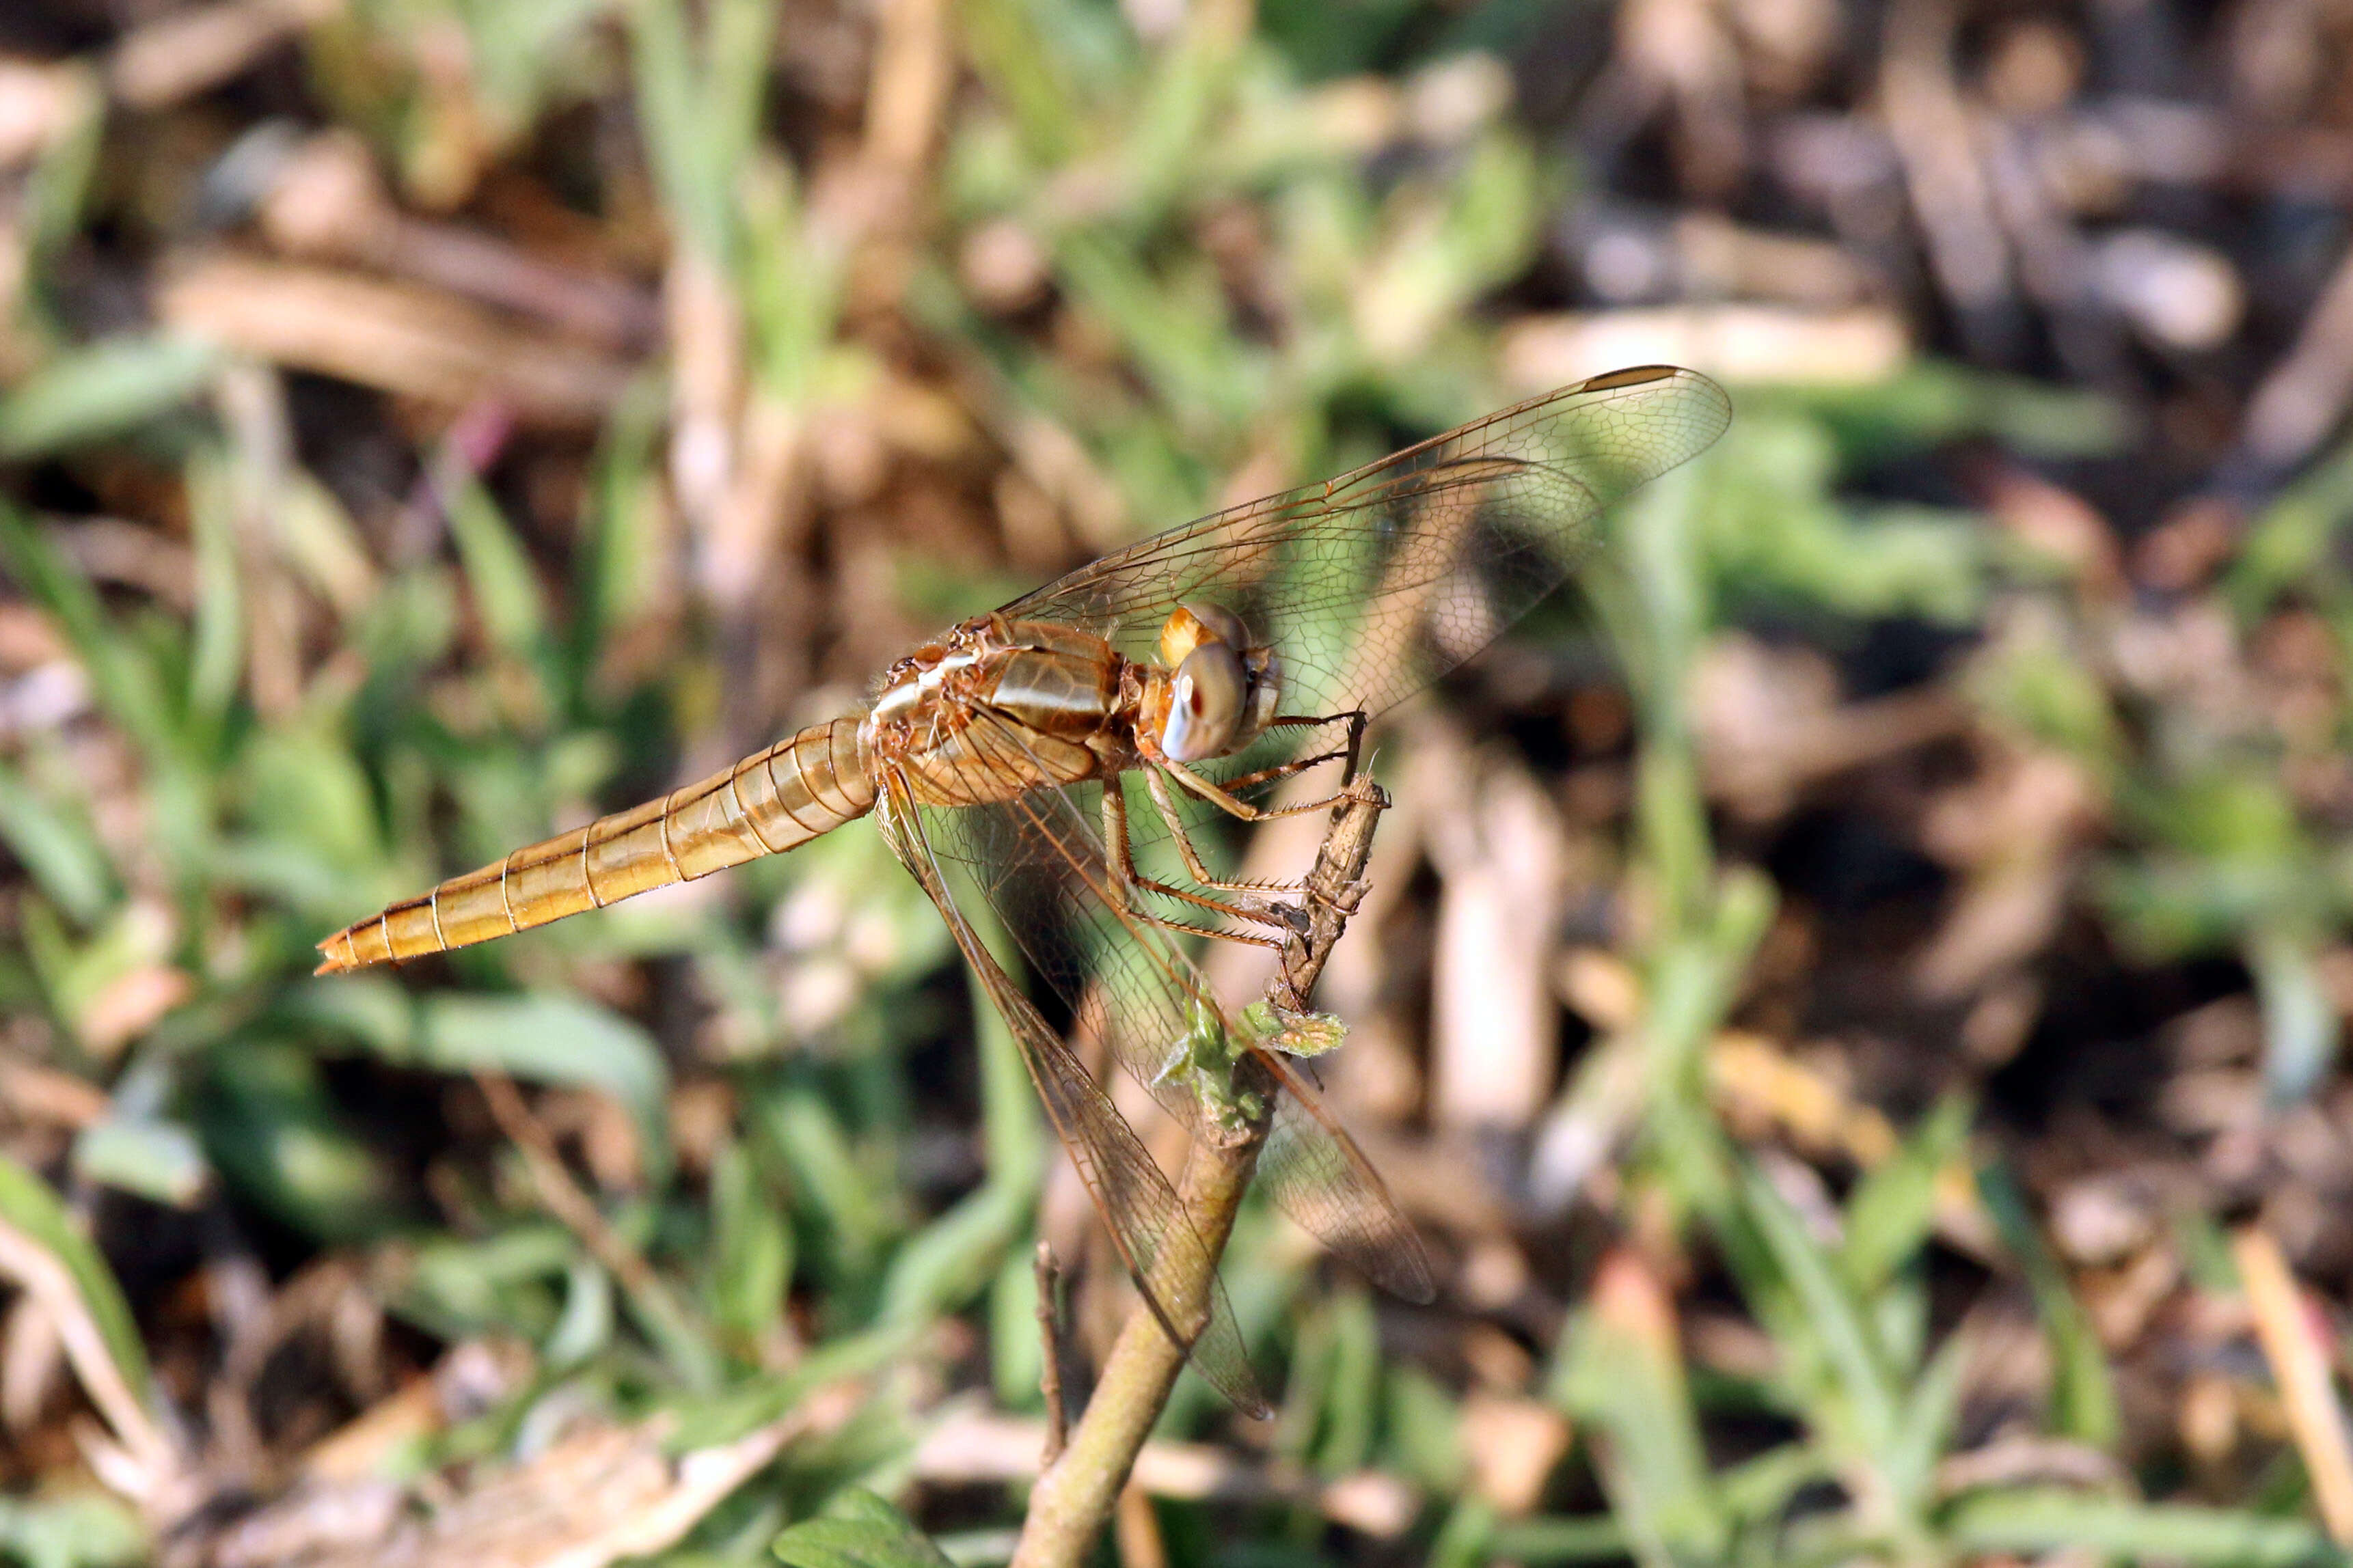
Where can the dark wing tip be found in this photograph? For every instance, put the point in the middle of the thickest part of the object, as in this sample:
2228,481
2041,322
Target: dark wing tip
1405,1273
1632,376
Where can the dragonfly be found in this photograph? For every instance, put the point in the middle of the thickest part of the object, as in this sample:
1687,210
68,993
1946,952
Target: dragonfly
1028,757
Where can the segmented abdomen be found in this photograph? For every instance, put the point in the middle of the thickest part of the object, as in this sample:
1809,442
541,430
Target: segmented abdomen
770,802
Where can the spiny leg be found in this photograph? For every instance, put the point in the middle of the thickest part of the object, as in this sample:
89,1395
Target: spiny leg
1348,753
1251,908
1195,866
1120,857
1352,748
1280,771
1221,795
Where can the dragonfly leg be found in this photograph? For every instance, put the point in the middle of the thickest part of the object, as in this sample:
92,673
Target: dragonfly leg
1352,748
1123,879
1194,864
1347,752
1223,797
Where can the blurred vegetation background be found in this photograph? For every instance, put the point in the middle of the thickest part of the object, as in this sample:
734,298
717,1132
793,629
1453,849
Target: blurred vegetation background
1853,997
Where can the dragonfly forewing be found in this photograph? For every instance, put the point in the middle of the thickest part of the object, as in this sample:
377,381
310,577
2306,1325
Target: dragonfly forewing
1372,585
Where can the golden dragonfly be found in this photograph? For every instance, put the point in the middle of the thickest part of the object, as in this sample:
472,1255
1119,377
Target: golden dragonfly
1211,663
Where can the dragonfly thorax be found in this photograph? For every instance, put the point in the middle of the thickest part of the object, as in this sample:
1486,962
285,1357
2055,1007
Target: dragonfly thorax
1001,706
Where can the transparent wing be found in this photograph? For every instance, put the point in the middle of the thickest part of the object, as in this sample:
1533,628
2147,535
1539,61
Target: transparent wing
1038,861
1319,1176
1147,1218
1371,585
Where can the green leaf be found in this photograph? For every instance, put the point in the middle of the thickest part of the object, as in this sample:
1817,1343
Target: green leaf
1931,1410
2301,1031
827,1176
1840,1332
372,1007
1424,1429
2048,1520
28,1205
1893,1209
2291,546
78,974
1016,1357
1618,1375
554,1040
524,51
1935,400
862,1530
752,1260
125,679
302,793
72,1530
51,201
507,591
269,1126
216,657
159,1161
1352,1398
1025,60
101,391
499,1282
56,848
1594,1540
586,1324
2083,1395
700,108
944,1267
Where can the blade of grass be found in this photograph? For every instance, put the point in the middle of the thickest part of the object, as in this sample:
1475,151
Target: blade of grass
1893,1207
2048,1520
102,392
2283,1323
27,1204
2083,1395
1833,1321
58,849
554,1038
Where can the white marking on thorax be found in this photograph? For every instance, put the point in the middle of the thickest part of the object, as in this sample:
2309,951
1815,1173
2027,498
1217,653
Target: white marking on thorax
925,687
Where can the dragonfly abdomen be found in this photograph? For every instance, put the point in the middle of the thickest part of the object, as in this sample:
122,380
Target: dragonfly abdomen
772,801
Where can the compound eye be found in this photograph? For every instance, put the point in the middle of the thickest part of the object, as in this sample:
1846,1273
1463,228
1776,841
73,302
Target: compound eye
1206,698
1191,625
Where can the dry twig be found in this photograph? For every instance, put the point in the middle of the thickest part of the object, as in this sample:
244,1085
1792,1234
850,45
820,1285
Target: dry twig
1049,1334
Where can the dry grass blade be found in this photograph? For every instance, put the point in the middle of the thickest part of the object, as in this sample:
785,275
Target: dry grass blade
145,1463
595,1497
2286,1325
396,337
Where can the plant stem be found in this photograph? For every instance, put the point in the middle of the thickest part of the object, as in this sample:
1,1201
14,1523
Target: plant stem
1071,1500
1077,1493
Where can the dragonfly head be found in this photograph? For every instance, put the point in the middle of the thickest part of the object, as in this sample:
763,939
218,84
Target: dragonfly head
1215,691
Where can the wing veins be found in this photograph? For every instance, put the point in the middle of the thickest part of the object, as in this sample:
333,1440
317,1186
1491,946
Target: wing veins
1118,1171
